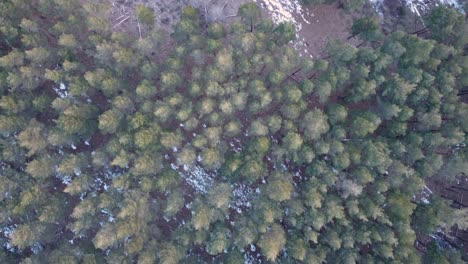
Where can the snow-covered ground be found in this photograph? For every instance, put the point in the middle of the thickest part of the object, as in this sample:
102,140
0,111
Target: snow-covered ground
419,7
242,197
288,11
197,177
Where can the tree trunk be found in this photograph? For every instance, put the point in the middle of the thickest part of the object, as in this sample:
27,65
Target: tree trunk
461,188
312,76
424,30
296,72
263,68
294,78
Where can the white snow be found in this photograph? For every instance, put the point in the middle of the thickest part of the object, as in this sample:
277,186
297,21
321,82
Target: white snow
249,259
253,248
61,91
454,3
77,171
419,7
378,6
415,6
242,197
7,230
284,10
110,218
66,180
36,248
429,190
197,177
289,11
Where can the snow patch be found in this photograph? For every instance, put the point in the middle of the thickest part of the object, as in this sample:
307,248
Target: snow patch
62,90
197,177
111,217
426,188
288,11
253,248
66,180
36,248
242,197
378,6
77,171
419,7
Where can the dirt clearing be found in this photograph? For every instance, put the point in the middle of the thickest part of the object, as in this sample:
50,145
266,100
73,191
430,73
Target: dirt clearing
315,26
326,23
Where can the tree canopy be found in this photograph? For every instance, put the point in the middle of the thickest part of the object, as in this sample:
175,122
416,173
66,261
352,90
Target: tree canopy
214,145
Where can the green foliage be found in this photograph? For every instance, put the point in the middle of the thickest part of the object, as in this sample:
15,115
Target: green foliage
315,124
427,217
42,167
190,147
26,235
33,137
280,187
365,124
250,13
145,15
109,121
367,28
447,25
435,254
272,242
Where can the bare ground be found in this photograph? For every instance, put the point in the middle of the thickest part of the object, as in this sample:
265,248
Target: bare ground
168,11
326,23
319,24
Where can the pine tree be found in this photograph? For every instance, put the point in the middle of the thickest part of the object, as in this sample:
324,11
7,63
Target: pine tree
272,242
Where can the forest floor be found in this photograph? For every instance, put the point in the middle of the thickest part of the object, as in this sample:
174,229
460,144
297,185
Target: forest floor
321,24
316,25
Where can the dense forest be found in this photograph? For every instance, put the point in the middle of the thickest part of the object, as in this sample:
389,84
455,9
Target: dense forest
219,144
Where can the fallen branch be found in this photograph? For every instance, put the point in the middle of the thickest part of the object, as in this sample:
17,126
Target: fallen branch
362,43
139,28
294,78
427,188
117,19
296,72
125,19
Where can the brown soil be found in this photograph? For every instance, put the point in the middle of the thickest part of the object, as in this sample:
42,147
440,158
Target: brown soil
324,22
168,11
457,192
327,22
